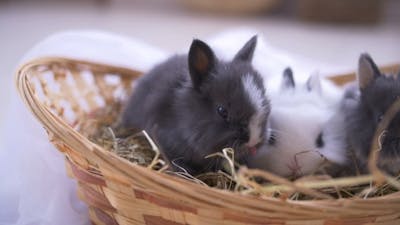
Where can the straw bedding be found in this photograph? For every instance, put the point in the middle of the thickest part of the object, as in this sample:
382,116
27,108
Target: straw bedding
125,180
101,127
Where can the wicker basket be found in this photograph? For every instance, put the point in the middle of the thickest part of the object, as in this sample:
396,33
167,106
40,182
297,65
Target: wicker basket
119,192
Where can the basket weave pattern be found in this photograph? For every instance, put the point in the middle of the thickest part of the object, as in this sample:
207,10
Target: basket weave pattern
59,91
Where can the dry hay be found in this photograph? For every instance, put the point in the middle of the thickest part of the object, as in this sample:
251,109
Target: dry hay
101,127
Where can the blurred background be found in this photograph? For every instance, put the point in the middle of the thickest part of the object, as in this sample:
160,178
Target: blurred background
335,32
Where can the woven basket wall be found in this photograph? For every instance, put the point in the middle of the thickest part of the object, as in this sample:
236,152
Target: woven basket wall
58,91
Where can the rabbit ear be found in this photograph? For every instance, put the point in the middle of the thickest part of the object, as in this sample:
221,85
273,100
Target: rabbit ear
201,61
367,71
247,51
288,80
314,83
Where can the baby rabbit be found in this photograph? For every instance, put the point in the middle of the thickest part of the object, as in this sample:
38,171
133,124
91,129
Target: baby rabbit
304,128
194,105
375,94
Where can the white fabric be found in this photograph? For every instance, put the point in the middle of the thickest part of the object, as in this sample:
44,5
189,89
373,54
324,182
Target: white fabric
100,47
269,60
34,188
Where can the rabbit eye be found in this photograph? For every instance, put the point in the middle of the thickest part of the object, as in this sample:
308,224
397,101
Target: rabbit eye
222,112
320,141
380,118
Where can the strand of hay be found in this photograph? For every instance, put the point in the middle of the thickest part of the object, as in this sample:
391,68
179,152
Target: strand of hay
229,155
156,159
246,175
316,184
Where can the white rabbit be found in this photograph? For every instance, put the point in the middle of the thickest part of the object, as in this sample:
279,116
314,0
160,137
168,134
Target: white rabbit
305,127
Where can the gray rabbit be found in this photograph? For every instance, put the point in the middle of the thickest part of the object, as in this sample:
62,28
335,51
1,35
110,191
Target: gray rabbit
366,106
195,104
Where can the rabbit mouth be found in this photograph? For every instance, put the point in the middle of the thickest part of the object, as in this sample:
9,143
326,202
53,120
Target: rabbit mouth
252,150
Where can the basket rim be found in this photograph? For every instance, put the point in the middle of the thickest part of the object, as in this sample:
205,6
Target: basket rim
198,195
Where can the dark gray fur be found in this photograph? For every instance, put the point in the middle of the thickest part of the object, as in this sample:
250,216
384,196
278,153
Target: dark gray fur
176,102
376,94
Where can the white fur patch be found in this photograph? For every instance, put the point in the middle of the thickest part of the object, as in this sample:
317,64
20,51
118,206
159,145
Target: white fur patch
256,97
297,117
